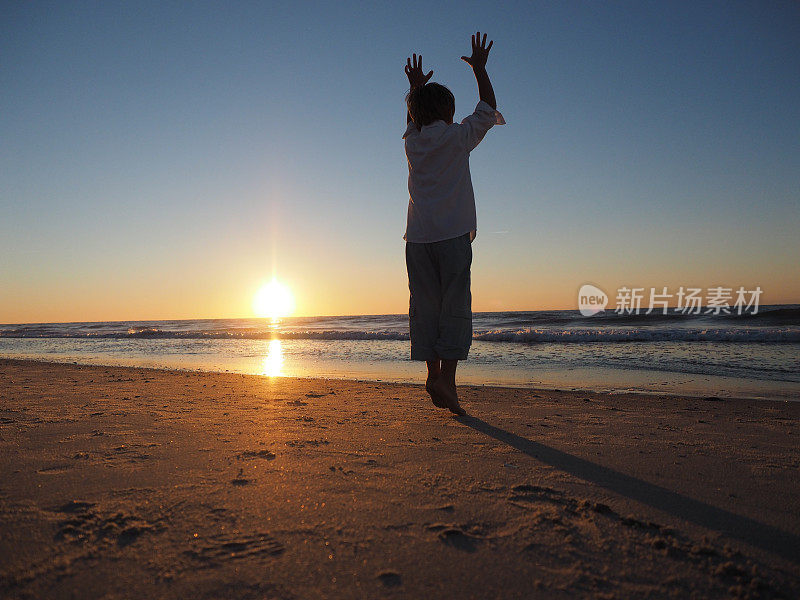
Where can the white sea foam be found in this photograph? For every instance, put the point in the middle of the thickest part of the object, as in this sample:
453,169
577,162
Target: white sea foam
780,325
757,355
638,334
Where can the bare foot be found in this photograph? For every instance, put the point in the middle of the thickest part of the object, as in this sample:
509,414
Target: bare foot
448,393
437,400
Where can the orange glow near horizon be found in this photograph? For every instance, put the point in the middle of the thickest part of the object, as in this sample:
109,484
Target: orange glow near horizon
170,292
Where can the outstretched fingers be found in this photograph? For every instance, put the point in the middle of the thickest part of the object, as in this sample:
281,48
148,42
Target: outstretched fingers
479,43
414,62
413,69
480,50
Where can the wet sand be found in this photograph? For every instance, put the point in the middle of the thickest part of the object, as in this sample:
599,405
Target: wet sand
134,483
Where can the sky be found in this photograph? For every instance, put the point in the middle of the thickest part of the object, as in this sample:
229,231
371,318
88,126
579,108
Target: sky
163,160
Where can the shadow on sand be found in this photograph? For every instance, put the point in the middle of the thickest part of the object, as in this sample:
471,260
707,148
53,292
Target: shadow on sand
736,526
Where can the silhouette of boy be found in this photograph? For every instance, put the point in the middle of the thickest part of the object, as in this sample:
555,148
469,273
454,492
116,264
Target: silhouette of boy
441,221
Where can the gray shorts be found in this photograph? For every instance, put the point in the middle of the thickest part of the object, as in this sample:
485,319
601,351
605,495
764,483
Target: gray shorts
440,311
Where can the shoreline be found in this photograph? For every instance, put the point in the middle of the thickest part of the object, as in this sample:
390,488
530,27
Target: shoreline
140,482
789,396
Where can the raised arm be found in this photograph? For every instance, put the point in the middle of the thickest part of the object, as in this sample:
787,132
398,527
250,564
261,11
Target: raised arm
416,78
480,54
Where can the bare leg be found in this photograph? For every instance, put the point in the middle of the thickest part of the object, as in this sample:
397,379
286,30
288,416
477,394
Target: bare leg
445,386
434,371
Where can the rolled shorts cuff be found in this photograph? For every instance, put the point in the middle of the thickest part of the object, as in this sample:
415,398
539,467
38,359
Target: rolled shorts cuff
452,353
425,355
439,354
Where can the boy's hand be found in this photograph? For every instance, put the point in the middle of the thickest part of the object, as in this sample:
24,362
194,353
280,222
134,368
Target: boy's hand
416,78
480,52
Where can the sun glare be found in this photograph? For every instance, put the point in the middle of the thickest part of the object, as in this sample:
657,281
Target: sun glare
273,301
273,361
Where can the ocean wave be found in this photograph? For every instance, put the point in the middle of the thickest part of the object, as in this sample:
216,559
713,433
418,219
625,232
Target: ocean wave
156,333
575,335
528,335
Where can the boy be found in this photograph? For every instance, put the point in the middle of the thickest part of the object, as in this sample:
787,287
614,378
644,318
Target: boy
441,220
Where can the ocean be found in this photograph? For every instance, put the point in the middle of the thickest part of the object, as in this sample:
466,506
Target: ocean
750,355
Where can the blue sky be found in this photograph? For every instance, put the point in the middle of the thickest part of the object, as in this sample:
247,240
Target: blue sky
162,160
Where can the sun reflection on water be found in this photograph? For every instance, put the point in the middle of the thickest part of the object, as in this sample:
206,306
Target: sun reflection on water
273,361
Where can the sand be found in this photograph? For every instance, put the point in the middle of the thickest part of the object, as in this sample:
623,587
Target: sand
135,483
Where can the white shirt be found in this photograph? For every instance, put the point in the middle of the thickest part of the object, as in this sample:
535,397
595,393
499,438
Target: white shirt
441,202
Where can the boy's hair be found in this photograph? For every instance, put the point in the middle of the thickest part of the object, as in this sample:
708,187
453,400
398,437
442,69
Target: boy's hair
429,103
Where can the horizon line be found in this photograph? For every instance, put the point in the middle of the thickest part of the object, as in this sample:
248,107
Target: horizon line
254,318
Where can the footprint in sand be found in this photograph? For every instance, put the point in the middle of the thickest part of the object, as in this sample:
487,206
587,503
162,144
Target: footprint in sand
74,506
125,454
221,548
250,454
240,479
458,539
86,525
390,578
54,469
306,443
443,507
532,497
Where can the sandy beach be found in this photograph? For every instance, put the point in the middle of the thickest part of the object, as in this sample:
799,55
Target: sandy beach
134,483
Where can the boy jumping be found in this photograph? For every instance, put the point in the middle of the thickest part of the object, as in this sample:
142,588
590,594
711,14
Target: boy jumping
441,220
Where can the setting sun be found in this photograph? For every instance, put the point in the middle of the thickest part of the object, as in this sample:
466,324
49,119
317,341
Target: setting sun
273,300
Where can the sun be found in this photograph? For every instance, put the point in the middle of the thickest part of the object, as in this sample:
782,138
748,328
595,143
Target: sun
273,301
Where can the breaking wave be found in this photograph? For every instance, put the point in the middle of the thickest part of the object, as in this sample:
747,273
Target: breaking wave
774,324
784,335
